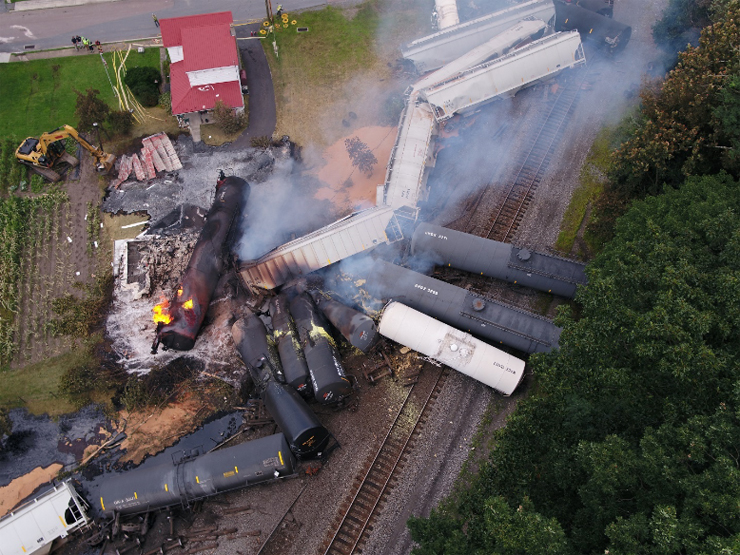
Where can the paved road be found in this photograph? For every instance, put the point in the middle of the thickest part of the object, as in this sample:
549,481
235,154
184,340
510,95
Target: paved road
117,21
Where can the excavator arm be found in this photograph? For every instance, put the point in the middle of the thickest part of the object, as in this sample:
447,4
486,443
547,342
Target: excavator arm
42,153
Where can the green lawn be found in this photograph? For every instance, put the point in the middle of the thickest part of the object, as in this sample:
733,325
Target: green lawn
37,96
36,387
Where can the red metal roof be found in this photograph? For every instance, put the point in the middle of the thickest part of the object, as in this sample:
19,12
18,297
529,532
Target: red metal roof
186,99
208,47
172,28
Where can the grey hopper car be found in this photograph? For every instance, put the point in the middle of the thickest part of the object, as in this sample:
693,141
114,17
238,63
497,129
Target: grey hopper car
503,261
192,478
356,327
604,32
452,347
288,345
330,382
305,434
461,309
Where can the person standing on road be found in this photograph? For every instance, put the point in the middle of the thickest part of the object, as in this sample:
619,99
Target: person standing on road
280,10
156,21
74,41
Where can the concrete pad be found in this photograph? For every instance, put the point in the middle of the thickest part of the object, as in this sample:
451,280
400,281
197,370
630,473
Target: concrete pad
4,57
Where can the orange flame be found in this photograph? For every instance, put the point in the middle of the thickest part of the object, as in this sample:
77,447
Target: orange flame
161,313
179,291
188,304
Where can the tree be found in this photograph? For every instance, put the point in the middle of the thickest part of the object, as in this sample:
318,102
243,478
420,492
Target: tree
90,109
630,442
144,83
121,121
681,134
227,118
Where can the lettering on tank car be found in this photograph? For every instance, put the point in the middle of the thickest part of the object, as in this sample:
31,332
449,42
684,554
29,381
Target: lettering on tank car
272,461
432,234
426,289
504,368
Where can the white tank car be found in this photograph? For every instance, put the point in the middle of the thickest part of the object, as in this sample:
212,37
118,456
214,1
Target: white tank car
452,347
446,13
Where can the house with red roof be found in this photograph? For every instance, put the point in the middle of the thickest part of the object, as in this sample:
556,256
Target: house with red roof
204,66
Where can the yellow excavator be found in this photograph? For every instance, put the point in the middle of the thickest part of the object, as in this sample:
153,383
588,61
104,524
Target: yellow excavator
43,153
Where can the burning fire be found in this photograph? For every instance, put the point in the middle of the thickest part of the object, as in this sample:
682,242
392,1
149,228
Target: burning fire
179,291
188,304
161,313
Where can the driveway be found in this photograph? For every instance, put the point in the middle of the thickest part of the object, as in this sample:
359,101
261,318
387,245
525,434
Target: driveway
262,115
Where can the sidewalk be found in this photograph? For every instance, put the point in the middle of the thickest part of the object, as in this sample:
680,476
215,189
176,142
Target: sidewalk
44,4
149,42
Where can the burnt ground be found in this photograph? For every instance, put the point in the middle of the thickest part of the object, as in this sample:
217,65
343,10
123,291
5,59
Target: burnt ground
432,469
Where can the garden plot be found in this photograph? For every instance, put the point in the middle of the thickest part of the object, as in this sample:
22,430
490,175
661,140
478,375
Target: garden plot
49,235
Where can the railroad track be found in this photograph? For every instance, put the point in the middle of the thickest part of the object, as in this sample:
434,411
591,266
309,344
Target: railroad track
365,504
533,167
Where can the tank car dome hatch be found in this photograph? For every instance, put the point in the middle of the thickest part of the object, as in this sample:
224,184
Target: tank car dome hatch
479,304
524,255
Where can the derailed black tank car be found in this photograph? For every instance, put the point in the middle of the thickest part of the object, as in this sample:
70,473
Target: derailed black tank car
330,382
603,7
478,255
356,327
463,310
306,436
604,32
189,479
189,305
289,349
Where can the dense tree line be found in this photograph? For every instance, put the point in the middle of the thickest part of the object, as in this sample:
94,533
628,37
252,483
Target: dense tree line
631,442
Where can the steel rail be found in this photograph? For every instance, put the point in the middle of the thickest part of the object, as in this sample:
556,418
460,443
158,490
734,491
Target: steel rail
376,465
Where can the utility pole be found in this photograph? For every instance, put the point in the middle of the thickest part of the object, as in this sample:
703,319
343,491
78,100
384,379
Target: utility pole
271,19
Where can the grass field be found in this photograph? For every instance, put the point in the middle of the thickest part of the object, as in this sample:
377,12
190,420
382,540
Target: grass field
38,96
342,64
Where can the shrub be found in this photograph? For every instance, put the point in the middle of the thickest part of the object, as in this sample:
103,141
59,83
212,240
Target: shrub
144,83
121,121
90,109
78,317
227,118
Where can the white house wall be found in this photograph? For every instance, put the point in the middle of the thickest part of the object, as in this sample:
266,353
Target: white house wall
213,76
